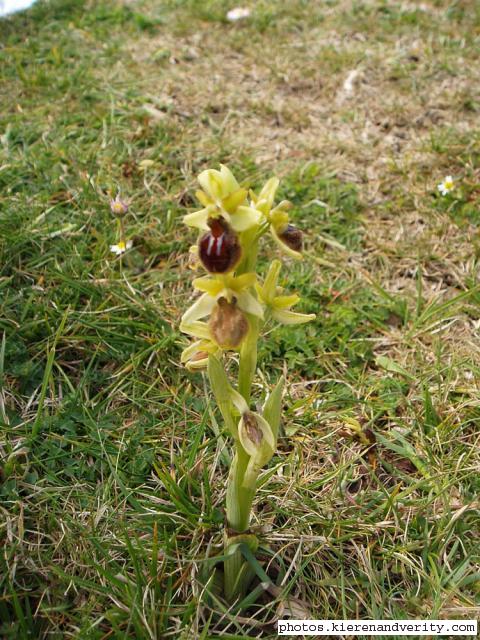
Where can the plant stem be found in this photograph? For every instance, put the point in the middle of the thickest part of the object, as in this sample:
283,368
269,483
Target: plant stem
248,359
239,498
122,230
239,504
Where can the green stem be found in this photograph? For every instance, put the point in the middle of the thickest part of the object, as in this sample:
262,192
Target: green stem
122,230
239,498
239,505
250,243
248,359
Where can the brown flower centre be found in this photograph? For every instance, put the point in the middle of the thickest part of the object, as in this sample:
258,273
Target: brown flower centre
219,249
228,324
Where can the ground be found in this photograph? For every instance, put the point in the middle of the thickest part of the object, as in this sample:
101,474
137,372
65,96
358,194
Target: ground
113,479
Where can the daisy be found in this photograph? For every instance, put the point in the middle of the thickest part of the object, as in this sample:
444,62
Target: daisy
118,207
239,13
447,186
121,247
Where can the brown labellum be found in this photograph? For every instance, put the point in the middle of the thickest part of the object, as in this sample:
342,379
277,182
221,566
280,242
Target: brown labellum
219,249
251,427
228,324
292,237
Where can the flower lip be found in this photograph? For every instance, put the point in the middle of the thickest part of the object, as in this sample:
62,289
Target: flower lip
219,248
251,427
228,324
292,237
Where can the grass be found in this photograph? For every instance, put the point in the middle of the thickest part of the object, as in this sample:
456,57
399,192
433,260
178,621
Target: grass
112,478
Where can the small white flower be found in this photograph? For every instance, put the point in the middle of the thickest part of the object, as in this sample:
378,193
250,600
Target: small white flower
121,247
239,13
446,186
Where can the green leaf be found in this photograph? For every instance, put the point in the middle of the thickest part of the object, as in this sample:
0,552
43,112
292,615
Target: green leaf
405,449
222,392
431,418
272,410
390,365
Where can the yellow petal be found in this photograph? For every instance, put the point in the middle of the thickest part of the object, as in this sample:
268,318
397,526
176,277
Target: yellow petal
290,317
270,285
199,309
234,200
228,180
244,281
210,181
262,206
268,191
197,219
196,329
285,302
209,285
238,400
244,218
203,198
279,218
249,304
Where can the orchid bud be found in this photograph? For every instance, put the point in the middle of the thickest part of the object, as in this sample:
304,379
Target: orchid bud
198,361
118,207
252,430
258,440
228,324
256,437
219,248
193,261
292,237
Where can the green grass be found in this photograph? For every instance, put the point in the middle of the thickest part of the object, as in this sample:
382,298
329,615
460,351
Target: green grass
112,477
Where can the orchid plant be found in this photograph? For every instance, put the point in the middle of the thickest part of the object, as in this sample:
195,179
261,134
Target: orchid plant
228,318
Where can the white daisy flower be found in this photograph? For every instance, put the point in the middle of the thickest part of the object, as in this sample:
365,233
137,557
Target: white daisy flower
121,247
239,13
447,186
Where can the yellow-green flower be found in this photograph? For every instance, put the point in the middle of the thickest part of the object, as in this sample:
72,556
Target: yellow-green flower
222,197
279,305
226,286
195,356
277,218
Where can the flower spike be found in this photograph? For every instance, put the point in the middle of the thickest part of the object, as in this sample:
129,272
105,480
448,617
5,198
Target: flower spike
228,316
